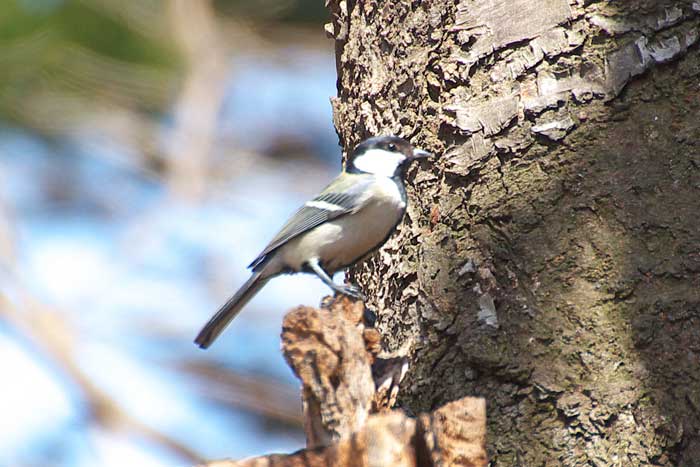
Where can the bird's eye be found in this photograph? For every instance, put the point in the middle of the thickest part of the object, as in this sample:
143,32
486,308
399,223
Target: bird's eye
392,147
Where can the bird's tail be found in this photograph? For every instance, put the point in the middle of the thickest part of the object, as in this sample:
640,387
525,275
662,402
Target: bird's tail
229,310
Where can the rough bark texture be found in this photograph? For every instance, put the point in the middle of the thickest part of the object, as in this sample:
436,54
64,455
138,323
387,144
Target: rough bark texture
333,354
550,259
328,355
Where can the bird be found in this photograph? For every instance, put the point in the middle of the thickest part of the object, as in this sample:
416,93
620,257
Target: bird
352,217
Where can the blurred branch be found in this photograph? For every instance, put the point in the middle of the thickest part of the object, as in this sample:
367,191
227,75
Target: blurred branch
195,28
104,52
141,16
125,83
7,241
264,397
50,334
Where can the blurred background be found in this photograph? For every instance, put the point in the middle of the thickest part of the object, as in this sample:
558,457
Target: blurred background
148,150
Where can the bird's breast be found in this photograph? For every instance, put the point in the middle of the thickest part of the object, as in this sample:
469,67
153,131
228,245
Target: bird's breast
360,233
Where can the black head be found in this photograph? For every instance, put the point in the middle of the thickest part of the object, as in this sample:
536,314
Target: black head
386,156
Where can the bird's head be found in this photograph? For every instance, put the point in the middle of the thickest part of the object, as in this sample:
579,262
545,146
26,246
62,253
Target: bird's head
387,156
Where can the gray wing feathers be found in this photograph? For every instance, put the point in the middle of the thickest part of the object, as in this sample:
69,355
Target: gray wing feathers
309,217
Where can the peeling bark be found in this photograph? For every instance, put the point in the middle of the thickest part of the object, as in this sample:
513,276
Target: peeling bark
549,260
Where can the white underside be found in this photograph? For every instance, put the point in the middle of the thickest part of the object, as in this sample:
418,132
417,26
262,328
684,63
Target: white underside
338,243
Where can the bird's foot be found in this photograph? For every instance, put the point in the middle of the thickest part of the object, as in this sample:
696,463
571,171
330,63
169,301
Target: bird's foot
351,291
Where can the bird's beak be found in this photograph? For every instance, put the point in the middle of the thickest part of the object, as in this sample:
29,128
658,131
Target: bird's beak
420,154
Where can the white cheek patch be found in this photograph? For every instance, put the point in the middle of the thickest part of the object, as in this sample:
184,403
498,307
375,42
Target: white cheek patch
379,162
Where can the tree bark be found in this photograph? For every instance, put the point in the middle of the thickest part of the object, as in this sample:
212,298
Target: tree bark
550,258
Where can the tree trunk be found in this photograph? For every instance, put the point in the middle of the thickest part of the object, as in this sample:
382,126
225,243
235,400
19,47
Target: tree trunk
550,258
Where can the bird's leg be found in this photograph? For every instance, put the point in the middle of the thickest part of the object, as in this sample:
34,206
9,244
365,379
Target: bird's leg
348,290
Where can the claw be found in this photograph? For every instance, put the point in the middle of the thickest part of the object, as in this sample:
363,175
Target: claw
352,291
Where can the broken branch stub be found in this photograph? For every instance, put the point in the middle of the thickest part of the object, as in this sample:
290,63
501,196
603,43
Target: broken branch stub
327,353
452,436
347,394
386,440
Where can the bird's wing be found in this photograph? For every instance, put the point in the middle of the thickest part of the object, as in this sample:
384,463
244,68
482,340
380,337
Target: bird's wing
341,197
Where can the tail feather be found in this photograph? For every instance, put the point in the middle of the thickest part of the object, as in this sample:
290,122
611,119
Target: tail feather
229,310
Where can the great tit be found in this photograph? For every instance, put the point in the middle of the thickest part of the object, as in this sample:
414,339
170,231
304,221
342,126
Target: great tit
349,219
